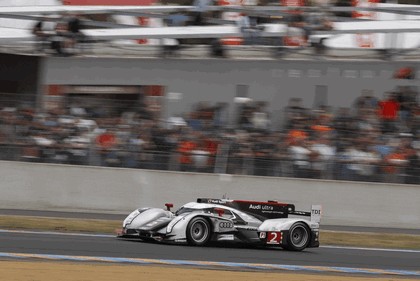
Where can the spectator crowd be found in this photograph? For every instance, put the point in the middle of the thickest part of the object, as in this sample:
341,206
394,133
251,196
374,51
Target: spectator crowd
59,34
374,140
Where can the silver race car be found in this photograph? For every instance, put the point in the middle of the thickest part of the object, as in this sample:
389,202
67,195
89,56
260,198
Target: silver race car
208,220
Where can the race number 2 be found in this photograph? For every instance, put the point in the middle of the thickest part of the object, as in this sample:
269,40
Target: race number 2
273,237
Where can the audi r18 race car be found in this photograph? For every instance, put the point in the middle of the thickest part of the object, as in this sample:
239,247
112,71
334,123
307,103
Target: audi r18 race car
208,220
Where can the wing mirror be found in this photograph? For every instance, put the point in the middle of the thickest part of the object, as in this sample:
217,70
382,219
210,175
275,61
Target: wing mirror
169,206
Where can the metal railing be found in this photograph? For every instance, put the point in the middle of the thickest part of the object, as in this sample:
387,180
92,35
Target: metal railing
222,162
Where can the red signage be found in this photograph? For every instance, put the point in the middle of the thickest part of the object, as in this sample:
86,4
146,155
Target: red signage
364,40
293,3
109,2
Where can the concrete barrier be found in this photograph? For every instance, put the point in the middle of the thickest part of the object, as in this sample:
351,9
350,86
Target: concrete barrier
113,190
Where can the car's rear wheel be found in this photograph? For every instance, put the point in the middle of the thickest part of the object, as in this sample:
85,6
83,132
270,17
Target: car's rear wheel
198,231
299,237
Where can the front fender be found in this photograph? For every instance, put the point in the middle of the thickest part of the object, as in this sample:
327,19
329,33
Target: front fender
177,228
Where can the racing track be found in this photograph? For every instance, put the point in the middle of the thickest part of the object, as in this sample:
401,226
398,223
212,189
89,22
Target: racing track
109,246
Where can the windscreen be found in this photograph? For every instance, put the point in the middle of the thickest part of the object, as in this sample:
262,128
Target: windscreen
183,210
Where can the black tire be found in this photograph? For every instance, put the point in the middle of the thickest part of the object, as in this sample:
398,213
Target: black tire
198,231
299,237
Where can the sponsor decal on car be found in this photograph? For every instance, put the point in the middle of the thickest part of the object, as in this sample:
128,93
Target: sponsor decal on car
274,237
215,201
225,225
261,207
264,208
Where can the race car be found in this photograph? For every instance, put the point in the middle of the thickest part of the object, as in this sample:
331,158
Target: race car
209,220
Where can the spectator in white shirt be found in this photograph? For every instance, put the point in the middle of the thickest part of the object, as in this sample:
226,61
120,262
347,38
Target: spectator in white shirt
324,162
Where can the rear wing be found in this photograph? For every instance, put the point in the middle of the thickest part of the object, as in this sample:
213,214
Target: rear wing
265,210
315,213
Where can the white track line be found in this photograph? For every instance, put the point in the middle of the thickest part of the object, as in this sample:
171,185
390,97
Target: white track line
371,249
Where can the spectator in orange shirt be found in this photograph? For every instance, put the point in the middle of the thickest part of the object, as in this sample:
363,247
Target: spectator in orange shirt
185,148
106,143
321,126
395,162
211,144
297,133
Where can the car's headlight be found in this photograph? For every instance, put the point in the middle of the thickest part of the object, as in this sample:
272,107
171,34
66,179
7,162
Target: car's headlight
158,221
131,217
172,223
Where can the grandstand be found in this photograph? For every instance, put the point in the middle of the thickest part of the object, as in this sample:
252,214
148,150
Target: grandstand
259,110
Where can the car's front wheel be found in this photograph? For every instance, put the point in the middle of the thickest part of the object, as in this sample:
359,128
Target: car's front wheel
299,237
198,231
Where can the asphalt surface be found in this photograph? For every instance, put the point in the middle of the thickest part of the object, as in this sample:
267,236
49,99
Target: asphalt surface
109,216
109,246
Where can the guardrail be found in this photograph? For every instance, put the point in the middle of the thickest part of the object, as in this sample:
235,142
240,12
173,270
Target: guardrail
201,51
227,160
